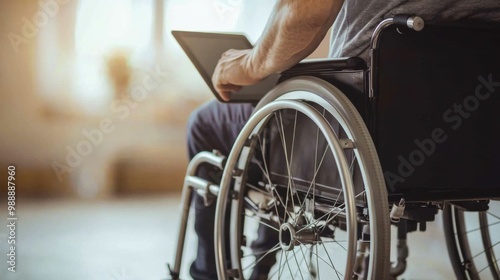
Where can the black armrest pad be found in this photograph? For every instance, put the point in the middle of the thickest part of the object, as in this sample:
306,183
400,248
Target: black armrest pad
330,64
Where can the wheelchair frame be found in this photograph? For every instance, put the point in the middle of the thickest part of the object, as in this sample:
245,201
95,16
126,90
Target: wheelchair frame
410,210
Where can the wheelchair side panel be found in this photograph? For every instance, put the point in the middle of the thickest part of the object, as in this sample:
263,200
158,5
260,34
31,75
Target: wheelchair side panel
437,112
308,162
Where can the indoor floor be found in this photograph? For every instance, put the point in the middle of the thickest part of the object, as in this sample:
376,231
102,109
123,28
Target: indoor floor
133,238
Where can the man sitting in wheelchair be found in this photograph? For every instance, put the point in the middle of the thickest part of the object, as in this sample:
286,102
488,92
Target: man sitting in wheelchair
294,227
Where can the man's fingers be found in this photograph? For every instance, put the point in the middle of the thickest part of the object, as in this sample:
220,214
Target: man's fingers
229,74
225,91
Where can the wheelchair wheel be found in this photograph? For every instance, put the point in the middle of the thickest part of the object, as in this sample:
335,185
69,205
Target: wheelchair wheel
473,241
302,193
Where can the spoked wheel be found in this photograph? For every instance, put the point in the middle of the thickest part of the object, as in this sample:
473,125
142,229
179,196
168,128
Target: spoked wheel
302,192
473,241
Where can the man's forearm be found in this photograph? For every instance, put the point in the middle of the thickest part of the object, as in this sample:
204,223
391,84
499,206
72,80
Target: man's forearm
294,30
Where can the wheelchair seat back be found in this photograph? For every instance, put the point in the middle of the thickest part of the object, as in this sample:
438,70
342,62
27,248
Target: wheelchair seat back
435,115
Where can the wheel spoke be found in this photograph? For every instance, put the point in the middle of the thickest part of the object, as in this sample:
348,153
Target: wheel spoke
285,208
298,266
328,213
317,261
265,170
293,138
328,255
256,253
273,249
261,222
292,153
333,241
352,163
288,263
256,189
319,257
482,269
479,228
484,251
493,215
313,181
291,186
279,267
304,257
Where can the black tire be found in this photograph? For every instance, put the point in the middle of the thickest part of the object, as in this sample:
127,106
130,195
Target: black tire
473,241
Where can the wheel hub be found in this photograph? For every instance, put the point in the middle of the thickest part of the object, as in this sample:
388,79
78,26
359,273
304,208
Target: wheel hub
293,235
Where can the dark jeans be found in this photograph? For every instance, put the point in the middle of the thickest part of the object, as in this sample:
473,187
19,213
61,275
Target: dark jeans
216,126
212,126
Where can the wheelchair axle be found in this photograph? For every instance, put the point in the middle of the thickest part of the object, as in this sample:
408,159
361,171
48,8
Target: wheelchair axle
291,236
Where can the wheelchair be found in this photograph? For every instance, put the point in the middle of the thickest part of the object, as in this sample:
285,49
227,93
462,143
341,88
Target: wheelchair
342,149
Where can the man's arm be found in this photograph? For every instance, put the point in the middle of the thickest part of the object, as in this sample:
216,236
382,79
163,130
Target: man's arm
294,30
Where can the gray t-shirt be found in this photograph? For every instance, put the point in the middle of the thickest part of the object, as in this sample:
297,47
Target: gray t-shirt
357,19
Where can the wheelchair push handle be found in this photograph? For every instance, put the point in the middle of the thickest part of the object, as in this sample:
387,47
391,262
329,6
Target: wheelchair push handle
413,22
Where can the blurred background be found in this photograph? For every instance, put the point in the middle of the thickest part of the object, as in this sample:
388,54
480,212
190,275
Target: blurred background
95,95
94,101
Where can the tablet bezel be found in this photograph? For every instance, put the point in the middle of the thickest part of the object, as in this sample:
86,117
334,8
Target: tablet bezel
180,35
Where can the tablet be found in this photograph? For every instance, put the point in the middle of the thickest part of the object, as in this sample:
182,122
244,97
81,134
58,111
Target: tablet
205,49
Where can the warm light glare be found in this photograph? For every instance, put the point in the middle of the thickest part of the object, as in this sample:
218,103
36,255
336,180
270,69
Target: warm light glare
248,17
102,28
103,25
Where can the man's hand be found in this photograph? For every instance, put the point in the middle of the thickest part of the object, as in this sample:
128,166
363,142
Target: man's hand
233,71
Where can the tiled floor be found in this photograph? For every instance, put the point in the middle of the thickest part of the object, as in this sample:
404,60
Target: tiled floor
133,238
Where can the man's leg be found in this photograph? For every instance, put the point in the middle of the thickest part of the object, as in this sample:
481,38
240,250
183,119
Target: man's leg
212,126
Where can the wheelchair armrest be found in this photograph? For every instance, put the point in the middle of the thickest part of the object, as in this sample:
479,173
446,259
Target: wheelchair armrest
347,74
335,70
308,66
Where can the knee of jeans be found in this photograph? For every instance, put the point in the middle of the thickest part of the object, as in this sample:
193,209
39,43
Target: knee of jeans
194,121
197,130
